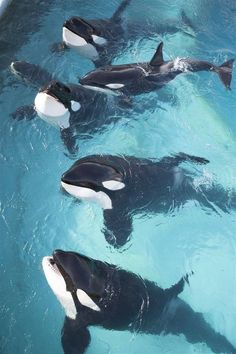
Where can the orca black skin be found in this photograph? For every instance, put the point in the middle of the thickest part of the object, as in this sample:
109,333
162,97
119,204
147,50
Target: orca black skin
125,186
138,78
95,109
101,294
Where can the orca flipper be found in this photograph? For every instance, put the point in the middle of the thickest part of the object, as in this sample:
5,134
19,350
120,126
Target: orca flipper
118,13
181,319
177,159
75,339
69,140
118,226
24,112
58,48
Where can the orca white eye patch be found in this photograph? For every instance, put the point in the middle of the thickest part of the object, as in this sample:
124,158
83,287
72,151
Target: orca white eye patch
113,185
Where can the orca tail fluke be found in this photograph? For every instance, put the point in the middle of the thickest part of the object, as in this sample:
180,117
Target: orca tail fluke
225,72
117,15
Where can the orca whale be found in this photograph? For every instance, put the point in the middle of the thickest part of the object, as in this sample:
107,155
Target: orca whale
138,78
97,40
95,293
126,186
100,40
70,107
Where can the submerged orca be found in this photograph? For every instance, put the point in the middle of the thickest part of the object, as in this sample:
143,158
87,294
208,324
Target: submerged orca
145,77
76,110
97,40
95,293
125,186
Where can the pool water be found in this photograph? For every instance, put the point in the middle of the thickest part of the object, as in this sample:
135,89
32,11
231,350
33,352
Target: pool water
193,114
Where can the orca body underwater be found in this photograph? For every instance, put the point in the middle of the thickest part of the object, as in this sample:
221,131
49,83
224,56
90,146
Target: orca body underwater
138,78
76,110
95,293
126,186
97,40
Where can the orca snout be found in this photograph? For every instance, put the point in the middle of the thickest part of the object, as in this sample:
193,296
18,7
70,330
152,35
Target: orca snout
58,256
80,27
69,178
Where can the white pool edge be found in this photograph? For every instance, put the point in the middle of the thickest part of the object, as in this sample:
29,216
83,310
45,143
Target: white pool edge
3,6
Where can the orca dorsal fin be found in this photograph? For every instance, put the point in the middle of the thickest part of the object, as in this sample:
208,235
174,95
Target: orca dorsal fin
157,58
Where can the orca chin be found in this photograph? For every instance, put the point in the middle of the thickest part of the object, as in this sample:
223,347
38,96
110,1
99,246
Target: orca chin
84,193
51,110
77,42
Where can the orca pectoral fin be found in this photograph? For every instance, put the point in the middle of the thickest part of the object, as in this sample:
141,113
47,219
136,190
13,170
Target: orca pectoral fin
24,112
74,338
177,159
58,48
118,227
119,11
69,140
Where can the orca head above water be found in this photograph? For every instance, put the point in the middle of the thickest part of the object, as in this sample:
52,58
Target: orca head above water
82,35
93,180
55,103
75,280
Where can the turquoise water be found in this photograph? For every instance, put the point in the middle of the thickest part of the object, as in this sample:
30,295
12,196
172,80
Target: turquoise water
193,114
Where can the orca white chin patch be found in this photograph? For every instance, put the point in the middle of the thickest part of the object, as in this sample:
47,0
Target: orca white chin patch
75,41
115,86
83,193
57,284
113,185
52,111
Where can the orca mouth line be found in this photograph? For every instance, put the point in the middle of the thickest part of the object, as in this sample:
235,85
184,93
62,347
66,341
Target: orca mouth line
55,263
53,95
81,184
69,27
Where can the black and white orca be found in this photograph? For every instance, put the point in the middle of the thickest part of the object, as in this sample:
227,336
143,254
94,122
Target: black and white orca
138,78
125,186
96,40
95,293
76,110
102,39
